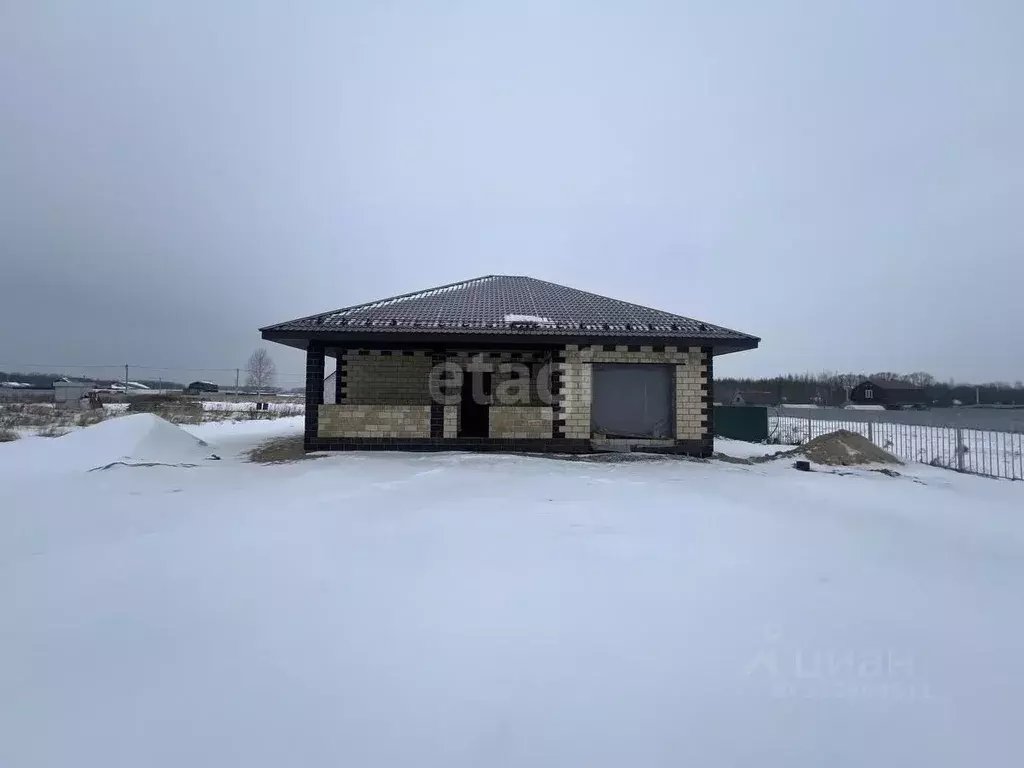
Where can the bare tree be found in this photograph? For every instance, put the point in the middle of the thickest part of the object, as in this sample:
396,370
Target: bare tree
886,376
921,379
260,371
850,380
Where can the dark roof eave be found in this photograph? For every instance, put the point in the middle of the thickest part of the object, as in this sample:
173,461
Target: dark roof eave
300,339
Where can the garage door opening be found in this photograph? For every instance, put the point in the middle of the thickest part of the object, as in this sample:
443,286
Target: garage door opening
635,401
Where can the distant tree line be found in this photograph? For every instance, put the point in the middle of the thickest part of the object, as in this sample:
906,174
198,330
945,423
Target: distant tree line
45,380
832,388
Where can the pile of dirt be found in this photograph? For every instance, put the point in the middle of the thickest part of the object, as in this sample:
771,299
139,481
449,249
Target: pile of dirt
281,450
844,449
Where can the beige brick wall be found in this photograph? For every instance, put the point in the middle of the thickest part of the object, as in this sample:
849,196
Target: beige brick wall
520,421
348,420
378,379
451,421
621,443
575,367
690,423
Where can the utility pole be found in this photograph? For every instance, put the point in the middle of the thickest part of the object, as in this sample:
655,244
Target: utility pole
236,382
126,377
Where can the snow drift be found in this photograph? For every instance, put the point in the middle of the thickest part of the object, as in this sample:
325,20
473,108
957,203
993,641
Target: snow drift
142,438
139,440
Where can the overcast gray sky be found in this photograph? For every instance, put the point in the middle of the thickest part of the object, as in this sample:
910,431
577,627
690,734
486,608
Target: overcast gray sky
844,179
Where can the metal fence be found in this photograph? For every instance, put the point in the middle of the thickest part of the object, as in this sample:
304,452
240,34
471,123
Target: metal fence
975,451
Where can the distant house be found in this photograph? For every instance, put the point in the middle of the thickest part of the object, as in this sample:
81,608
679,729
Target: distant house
889,394
755,398
70,392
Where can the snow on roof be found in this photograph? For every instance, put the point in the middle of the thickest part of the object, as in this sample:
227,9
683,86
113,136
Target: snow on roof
533,319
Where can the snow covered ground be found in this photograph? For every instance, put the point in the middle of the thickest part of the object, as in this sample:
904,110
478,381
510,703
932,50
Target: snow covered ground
290,408
740,449
234,406
468,610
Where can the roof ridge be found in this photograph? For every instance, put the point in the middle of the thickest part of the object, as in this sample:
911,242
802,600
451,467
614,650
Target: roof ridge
388,299
412,295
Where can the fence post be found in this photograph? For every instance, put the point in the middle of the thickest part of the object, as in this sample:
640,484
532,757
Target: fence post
959,450
809,435
871,431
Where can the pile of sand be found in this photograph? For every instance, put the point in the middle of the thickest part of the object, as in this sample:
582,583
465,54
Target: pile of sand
844,449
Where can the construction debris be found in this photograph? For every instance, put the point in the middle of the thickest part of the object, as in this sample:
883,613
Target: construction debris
844,449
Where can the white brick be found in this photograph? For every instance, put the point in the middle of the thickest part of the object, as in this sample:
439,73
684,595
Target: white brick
345,420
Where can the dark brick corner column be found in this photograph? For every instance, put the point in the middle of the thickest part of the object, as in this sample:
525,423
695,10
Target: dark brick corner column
707,387
314,392
438,356
339,377
558,426
555,357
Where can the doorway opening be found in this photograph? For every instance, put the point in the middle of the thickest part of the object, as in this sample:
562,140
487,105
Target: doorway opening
474,418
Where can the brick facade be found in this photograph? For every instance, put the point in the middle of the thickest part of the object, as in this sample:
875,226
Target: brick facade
381,377
707,400
520,421
314,389
530,445
339,377
384,398
576,381
349,420
691,422
450,422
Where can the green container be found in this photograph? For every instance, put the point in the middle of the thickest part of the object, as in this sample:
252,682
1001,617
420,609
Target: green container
742,422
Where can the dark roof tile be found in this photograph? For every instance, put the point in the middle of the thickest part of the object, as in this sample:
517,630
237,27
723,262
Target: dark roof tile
509,305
